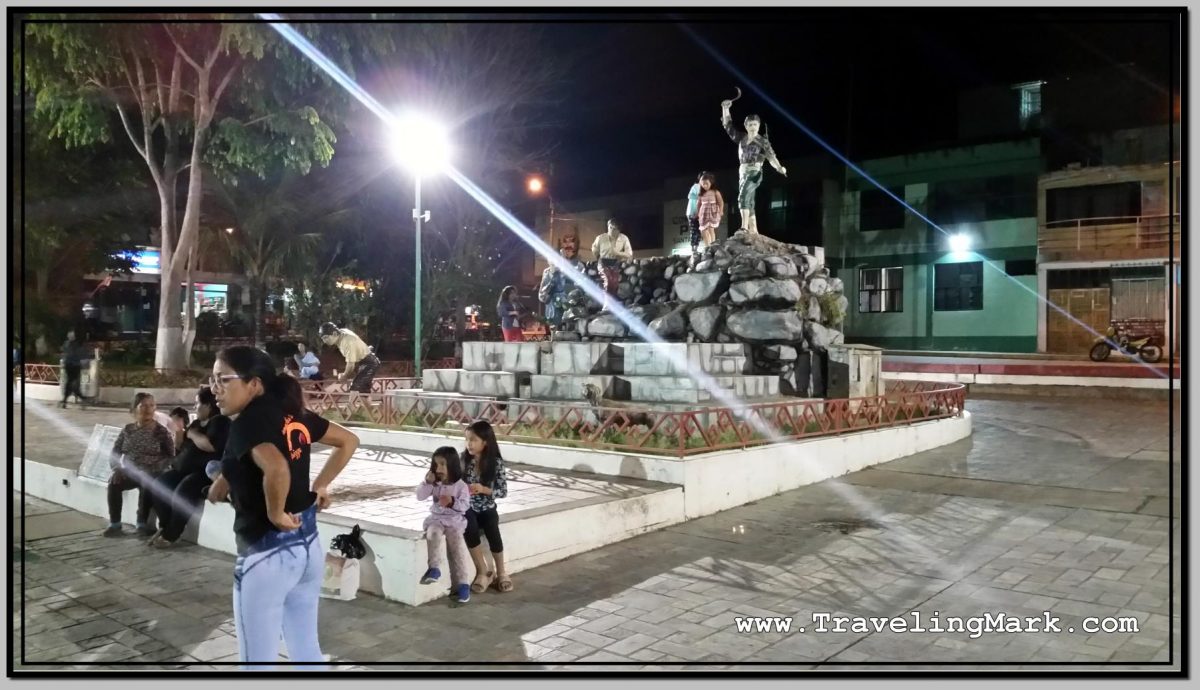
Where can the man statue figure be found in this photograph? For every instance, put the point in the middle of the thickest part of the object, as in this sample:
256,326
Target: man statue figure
753,149
553,290
610,249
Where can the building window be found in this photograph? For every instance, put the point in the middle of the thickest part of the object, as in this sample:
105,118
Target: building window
880,290
979,199
878,211
1020,267
958,287
1030,103
1078,279
1098,204
777,215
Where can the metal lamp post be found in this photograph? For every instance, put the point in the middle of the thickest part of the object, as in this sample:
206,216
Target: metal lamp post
419,216
421,145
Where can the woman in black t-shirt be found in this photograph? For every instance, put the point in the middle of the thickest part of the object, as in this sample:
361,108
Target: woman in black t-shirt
265,472
182,486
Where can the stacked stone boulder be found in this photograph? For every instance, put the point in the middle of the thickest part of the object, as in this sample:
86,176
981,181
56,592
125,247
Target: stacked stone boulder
749,289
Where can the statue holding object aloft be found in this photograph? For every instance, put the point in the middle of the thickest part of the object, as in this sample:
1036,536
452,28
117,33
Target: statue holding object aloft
753,149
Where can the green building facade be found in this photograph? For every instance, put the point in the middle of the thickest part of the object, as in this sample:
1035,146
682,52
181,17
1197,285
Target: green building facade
914,287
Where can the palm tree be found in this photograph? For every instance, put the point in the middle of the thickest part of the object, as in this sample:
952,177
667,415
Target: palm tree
275,227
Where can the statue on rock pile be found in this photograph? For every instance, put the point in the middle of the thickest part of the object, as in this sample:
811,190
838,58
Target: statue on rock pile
753,149
610,249
555,284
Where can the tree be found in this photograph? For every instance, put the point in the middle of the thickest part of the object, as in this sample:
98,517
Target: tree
277,223
497,96
80,214
232,95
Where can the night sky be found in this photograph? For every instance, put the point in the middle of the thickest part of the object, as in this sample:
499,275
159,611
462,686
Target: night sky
642,100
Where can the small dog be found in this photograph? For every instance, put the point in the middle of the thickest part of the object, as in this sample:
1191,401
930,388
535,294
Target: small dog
595,397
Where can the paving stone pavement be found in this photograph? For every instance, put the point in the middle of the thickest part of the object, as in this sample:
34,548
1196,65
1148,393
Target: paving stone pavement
1054,505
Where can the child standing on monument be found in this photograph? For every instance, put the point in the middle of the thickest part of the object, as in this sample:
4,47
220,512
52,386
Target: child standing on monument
447,520
693,214
711,210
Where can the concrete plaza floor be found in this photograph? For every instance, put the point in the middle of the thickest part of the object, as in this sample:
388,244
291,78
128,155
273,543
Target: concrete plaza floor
1054,505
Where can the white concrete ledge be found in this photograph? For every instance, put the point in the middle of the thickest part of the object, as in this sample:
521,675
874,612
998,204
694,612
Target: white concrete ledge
396,558
704,484
113,395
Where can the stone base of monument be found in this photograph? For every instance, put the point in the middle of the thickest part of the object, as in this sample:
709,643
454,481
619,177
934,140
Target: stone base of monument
682,373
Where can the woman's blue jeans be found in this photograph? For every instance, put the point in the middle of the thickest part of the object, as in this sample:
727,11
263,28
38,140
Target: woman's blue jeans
276,592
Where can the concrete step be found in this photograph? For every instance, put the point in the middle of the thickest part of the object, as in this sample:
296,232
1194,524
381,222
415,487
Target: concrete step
513,357
683,389
570,386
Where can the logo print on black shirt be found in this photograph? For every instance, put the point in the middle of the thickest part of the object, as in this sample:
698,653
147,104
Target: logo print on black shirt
297,437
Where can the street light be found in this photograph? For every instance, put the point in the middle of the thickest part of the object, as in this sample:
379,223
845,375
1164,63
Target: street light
536,185
420,144
960,243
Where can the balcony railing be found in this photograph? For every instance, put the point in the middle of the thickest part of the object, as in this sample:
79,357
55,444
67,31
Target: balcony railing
1159,232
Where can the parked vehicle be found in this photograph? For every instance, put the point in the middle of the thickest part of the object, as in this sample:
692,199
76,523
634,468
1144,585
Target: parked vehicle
1131,337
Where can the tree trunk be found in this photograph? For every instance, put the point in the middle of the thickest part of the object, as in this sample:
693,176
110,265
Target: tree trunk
43,284
171,352
257,296
189,322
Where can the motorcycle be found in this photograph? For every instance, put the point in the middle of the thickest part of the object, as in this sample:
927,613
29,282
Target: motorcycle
1148,345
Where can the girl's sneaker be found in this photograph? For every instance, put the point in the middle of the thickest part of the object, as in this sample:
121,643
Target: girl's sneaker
462,593
431,576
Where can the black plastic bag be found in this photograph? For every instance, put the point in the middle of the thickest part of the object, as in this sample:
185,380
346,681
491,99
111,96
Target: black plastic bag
350,545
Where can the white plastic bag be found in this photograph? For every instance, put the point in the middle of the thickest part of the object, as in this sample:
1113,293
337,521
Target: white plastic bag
341,577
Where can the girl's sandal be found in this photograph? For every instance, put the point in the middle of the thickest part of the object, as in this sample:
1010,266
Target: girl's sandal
481,583
503,584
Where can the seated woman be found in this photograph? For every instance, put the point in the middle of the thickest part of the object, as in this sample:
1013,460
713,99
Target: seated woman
181,489
307,363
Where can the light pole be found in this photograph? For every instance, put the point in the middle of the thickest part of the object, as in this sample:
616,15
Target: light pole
536,186
418,217
421,145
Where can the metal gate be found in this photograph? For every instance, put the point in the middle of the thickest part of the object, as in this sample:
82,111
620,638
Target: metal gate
1139,298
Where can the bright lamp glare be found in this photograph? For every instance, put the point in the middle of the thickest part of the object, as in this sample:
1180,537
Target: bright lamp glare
420,144
960,243
535,184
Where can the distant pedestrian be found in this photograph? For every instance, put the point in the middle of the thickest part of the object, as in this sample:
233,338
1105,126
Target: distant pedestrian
447,520
361,362
509,311
73,355
140,454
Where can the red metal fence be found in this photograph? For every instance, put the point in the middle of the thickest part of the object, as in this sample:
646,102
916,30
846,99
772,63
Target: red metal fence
382,384
39,373
649,431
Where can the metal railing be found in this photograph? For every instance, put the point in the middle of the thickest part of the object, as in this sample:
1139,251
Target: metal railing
39,373
673,433
381,384
1111,232
152,378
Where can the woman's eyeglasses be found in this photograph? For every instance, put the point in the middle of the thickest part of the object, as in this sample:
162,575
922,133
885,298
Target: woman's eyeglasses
220,381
